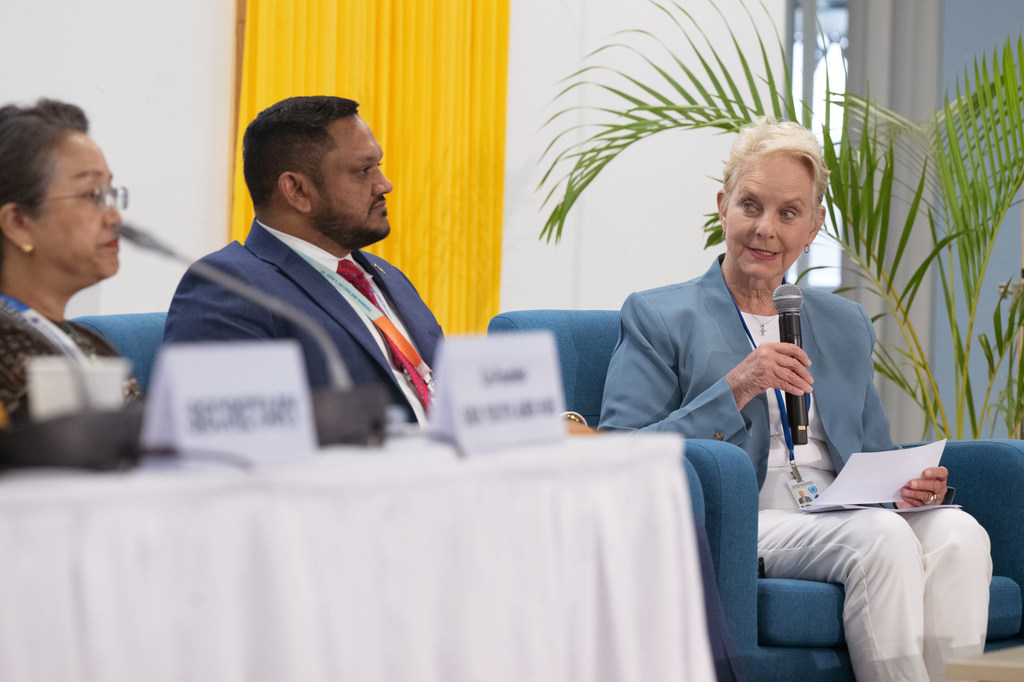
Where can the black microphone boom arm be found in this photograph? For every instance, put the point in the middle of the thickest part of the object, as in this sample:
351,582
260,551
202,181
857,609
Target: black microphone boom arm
340,377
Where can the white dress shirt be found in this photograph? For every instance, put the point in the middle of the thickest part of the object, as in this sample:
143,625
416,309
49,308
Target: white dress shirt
330,261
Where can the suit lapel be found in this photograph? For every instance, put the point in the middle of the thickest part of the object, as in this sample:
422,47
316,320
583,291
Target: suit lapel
322,293
720,307
826,403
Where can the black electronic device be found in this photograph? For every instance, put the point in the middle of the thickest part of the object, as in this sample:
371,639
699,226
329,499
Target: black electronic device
787,300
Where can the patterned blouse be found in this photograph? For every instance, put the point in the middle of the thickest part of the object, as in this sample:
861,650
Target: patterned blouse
19,341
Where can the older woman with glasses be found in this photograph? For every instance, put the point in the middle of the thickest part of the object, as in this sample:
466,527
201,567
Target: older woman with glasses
59,224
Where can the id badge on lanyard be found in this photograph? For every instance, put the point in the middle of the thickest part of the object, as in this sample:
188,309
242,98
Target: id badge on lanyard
379,320
803,490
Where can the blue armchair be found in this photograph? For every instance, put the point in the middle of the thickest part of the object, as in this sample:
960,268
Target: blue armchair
136,336
989,479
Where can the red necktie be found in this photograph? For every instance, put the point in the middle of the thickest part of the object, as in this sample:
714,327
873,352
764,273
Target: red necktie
356,278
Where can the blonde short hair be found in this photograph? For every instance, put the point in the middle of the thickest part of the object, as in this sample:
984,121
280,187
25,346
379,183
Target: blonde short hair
767,137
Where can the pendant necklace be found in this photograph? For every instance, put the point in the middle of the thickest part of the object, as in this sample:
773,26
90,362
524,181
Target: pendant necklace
763,322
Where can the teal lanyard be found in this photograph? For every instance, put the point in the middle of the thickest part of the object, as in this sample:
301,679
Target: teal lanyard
778,397
345,288
376,315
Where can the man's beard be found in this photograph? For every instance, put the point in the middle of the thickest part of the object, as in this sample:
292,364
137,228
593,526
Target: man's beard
348,233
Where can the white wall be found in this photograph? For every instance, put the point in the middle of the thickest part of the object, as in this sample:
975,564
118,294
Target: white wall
156,82
639,225
156,79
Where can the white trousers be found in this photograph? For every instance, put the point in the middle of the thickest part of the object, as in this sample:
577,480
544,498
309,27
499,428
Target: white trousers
917,585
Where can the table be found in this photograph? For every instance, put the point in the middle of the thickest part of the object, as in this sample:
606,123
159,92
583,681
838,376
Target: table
1002,665
574,561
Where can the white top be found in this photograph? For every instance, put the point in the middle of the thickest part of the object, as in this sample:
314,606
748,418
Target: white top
812,459
331,261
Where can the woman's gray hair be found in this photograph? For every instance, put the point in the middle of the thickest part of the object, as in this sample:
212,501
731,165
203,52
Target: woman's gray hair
767,137
28,138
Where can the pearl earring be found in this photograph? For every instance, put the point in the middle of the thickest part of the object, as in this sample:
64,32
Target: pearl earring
27,248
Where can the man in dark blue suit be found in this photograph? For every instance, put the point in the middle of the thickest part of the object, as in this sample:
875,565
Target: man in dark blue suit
312,166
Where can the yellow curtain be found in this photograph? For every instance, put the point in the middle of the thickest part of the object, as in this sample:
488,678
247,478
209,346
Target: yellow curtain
430,77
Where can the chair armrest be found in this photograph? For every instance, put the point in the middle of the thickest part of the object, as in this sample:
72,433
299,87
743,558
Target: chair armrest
136,336
989,479
585,340
729,488
696,492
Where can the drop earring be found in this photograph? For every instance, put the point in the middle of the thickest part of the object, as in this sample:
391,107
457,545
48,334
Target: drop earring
807,248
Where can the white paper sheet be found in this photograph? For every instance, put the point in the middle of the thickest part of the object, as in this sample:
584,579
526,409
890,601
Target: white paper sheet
876,477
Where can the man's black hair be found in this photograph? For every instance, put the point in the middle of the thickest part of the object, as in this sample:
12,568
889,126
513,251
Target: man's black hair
290,136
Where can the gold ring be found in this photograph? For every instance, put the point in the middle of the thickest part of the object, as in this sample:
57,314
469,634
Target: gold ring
575,417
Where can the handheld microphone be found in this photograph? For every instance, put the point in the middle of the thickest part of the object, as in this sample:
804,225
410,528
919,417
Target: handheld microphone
344,413
787,300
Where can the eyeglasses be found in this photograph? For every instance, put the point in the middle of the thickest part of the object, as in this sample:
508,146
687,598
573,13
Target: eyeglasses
102,198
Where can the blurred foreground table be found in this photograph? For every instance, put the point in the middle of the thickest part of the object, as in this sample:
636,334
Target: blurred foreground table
574,562
1002,665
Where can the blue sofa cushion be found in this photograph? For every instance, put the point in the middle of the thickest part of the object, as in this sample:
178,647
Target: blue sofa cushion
592,331
799,613
1004,608
136,336
987,475
820,606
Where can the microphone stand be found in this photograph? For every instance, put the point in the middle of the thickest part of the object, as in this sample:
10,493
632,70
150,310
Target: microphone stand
102,440
344,412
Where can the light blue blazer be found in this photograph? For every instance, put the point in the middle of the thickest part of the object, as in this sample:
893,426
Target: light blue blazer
676,344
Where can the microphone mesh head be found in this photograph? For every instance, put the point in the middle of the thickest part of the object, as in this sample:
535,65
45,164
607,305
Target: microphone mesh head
787,298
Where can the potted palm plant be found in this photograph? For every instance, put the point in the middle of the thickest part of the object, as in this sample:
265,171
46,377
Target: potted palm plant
954,175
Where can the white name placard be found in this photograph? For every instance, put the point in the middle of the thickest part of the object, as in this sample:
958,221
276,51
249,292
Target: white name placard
249,400
498,391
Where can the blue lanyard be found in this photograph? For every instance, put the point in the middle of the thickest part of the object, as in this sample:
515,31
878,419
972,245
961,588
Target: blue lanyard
778,394
39,324
13,304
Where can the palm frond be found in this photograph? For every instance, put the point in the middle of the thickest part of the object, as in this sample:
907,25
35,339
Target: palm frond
952,177
674,94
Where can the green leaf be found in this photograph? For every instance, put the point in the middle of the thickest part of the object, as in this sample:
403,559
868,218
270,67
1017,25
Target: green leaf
952,176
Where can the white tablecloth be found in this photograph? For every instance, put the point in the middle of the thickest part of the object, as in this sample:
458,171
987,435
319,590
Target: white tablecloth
569,562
